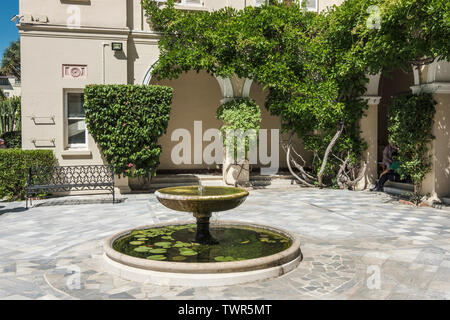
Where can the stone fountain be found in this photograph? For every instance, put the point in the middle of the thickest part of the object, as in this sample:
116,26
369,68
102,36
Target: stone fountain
202,253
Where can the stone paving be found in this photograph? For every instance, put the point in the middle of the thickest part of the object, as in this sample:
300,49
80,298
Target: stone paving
356,245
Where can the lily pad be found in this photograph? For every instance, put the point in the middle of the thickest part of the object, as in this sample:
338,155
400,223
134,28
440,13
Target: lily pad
157,250
163,244
224,259
167,238
245,242
179,258
188,252
180,244
142,249
157,257
136,243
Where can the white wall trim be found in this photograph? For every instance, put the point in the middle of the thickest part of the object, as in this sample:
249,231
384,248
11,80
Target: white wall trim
435,87
247,86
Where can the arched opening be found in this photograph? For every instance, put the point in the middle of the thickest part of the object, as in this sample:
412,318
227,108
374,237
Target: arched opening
392,84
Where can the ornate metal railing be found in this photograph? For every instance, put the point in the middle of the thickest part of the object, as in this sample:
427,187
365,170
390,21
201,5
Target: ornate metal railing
69,178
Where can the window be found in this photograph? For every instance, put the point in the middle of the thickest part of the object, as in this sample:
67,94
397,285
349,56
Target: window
186,2
76,125
311,5
189,2
259,3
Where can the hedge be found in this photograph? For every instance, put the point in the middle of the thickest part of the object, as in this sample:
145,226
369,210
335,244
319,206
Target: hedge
14,164
126,121
13,139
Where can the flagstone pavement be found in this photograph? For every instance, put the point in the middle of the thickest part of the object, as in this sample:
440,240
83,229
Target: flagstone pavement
356,245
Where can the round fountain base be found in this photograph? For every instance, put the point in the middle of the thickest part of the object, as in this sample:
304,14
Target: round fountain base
199,274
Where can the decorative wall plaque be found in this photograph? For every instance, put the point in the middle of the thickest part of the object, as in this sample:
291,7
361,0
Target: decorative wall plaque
71,71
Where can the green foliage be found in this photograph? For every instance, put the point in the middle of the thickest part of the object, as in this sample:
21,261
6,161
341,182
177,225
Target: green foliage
13,139
410,128
240,115
127,121
14,164
10,117
11,60
313,65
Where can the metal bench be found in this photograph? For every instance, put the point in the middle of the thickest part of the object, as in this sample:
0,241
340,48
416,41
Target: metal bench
69,178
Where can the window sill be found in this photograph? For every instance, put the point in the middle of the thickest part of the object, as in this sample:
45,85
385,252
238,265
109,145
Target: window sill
72,153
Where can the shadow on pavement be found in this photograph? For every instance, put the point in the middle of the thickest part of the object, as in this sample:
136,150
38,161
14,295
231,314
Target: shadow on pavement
19,209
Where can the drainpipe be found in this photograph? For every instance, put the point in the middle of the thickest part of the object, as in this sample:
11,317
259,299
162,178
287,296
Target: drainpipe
104,44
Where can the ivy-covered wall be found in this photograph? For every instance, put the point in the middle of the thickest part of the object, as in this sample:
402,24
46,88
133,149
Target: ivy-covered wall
126,122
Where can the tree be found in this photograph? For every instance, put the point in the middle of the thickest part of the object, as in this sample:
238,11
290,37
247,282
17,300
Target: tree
313,65
11,60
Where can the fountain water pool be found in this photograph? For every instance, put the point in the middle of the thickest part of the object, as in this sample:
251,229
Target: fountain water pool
200,254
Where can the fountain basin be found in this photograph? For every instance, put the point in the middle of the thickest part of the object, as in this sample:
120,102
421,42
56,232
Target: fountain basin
202,274
213,199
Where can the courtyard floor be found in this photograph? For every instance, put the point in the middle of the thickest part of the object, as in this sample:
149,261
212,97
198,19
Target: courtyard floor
350,240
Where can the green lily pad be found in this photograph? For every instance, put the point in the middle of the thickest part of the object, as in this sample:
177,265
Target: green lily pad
223,259
142,239
163,244
180,244
157,257
245,242
142,249
188,252
179,258
167,238
157,250
136,243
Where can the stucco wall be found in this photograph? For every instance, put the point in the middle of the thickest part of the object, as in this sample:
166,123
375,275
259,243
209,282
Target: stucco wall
43,87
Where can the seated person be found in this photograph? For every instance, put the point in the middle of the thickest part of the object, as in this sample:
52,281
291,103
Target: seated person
391,173
388,152
2,144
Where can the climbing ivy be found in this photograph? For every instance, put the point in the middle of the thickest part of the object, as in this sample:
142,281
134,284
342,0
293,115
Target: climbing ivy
127,121
314,65
410,128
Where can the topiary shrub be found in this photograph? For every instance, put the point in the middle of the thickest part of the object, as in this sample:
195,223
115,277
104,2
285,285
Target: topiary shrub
127,121
239,114
410,128
13,139
14,164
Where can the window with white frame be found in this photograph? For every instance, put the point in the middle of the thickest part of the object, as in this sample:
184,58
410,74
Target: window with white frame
311,5
186,2
191,2
75,120
259,3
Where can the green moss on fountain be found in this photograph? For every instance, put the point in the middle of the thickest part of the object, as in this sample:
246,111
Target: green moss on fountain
202,202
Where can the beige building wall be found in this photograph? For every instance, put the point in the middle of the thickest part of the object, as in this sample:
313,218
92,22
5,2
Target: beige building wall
53,44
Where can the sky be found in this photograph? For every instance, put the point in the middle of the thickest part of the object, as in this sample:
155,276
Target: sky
8,30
